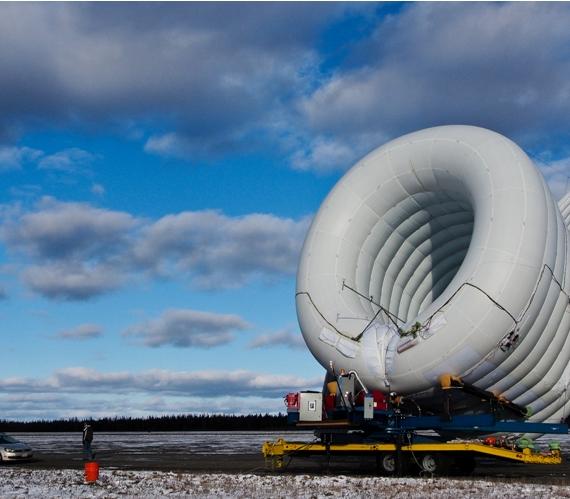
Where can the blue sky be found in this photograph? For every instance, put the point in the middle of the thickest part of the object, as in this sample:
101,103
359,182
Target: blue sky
160,165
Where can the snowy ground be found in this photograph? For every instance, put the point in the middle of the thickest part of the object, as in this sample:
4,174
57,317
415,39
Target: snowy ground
20,482
16,481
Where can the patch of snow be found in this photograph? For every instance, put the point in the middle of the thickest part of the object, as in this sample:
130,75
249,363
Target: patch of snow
22,482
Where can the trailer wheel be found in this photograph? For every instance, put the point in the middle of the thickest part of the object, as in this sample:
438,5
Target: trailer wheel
386,464
435,463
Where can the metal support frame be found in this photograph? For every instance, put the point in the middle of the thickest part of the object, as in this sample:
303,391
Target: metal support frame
281,448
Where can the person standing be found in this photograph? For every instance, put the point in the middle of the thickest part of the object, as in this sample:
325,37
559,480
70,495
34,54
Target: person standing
87,439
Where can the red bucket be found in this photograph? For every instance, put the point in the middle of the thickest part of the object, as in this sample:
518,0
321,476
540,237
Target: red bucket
91,472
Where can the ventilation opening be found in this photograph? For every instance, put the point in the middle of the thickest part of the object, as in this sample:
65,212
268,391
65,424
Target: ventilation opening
430,233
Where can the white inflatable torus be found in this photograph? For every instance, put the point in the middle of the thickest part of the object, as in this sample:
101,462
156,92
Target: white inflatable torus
442,252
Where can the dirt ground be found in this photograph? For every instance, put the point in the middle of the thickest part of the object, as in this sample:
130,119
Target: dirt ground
161,460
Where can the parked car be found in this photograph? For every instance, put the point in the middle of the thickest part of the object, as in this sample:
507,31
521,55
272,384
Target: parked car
14,450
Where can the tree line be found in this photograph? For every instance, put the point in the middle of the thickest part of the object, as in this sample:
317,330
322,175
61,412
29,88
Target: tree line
186,422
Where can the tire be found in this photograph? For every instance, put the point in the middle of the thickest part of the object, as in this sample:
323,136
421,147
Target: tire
435,463
386,464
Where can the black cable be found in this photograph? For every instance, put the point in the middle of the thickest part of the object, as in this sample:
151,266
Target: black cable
369,299
368,325
357,338
306,293
427,323
291,454
554,279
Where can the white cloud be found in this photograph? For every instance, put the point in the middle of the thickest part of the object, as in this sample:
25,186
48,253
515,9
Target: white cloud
201,84
76,251
220,251
56,230
502,66
557,175
13,158
168,144
187,328
325,155
72,251
71,281
287,338
72,160
50,406
81,332
68,160
210,71
213,383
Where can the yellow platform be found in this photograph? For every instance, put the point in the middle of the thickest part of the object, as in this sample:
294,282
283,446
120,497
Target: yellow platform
281,448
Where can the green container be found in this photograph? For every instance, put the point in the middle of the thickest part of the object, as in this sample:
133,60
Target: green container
554,445
525,443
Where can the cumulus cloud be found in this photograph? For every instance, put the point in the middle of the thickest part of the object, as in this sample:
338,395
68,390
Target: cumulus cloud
13,158
285,338
187,328
186,383
184,146
60,231
72,160
81,332
210,71
73,246
167,144
557,175
75,392
68,160
221,251
324,155
201,80
30,406
38,406
71,281
75,251
501,66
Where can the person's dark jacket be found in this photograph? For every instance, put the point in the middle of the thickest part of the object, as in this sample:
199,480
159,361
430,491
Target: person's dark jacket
87,434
